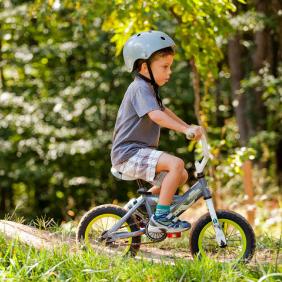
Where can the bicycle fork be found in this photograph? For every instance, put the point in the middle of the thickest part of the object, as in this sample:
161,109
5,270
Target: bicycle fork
220,237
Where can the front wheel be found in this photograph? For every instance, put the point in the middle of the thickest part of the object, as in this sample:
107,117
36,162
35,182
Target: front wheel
239,236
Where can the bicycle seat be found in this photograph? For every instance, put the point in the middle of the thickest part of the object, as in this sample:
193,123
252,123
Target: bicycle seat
120,175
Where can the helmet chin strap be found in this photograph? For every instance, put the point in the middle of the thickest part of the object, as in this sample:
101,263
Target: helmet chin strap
153,82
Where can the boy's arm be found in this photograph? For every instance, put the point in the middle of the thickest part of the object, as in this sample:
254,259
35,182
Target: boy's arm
165,120
174,116
162,118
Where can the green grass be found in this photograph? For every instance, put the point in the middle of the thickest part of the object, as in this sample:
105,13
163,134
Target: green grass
19,262
264,243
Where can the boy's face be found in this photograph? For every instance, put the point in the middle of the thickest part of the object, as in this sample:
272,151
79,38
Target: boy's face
161,68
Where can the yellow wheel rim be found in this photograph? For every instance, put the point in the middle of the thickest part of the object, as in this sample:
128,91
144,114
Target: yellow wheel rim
235,237
102,223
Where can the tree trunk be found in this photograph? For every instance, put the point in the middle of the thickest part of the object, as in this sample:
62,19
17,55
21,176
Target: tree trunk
277,6
263,54
2,79
279,165
3,86
197,109
197,93
239,100
219,120
3,201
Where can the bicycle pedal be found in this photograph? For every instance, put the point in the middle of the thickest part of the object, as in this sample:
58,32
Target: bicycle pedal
174,235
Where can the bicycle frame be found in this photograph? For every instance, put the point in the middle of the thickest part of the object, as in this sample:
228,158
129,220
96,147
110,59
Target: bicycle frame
179,205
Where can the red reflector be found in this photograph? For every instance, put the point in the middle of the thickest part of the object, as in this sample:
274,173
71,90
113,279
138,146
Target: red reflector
174,235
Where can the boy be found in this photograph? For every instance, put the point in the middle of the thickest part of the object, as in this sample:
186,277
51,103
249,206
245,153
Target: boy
137,129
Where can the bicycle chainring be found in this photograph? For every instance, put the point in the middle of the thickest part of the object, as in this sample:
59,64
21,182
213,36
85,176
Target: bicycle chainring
155,236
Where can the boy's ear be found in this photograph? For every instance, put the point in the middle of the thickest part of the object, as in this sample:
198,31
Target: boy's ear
144,67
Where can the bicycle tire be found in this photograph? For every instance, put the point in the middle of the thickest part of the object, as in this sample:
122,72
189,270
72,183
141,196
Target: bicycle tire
243,229
110,211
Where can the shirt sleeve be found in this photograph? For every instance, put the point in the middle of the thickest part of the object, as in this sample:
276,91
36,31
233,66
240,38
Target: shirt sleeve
144,101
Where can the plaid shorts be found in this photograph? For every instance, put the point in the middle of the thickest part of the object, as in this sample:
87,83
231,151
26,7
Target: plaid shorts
143,166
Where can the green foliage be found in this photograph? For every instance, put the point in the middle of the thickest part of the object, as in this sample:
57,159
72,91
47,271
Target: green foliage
197,26
61,89
56,112
61,83
20,262
270,88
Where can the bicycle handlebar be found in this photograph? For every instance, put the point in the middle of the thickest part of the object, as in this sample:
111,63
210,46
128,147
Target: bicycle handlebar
206,155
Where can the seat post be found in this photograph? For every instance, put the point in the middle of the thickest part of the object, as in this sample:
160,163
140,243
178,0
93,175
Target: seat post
140,183
142,188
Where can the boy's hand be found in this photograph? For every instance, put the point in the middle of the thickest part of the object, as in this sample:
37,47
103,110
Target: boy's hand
194,132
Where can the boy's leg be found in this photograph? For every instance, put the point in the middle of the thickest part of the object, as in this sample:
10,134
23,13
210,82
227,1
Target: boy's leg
175,167
162,220
155,190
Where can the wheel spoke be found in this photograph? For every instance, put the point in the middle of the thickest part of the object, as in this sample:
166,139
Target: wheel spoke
107,223
238,235
100,223
235,241
230,234
101,219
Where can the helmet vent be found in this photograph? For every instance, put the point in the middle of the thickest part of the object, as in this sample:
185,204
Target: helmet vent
138,34
162,38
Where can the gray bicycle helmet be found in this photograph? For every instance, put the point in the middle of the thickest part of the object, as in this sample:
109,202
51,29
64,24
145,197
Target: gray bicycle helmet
142,45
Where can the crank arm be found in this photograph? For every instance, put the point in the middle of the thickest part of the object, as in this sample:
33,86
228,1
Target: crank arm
120,235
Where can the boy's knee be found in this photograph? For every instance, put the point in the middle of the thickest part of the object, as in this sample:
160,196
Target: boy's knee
184,177
178,165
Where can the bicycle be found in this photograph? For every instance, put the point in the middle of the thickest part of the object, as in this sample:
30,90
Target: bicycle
219,235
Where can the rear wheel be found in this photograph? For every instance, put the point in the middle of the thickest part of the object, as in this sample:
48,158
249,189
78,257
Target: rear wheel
98,221
239,236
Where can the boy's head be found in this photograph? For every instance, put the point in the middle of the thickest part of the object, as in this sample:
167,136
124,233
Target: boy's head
160,63
151,54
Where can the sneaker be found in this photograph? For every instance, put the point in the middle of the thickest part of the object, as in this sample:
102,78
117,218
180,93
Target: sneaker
167,223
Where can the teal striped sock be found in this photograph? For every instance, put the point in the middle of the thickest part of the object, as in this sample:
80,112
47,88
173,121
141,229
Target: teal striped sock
162,210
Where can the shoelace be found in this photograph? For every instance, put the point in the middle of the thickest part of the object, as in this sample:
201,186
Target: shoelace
173,218
175,221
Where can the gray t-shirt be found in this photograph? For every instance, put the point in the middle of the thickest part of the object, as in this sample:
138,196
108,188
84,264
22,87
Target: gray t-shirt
134,129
